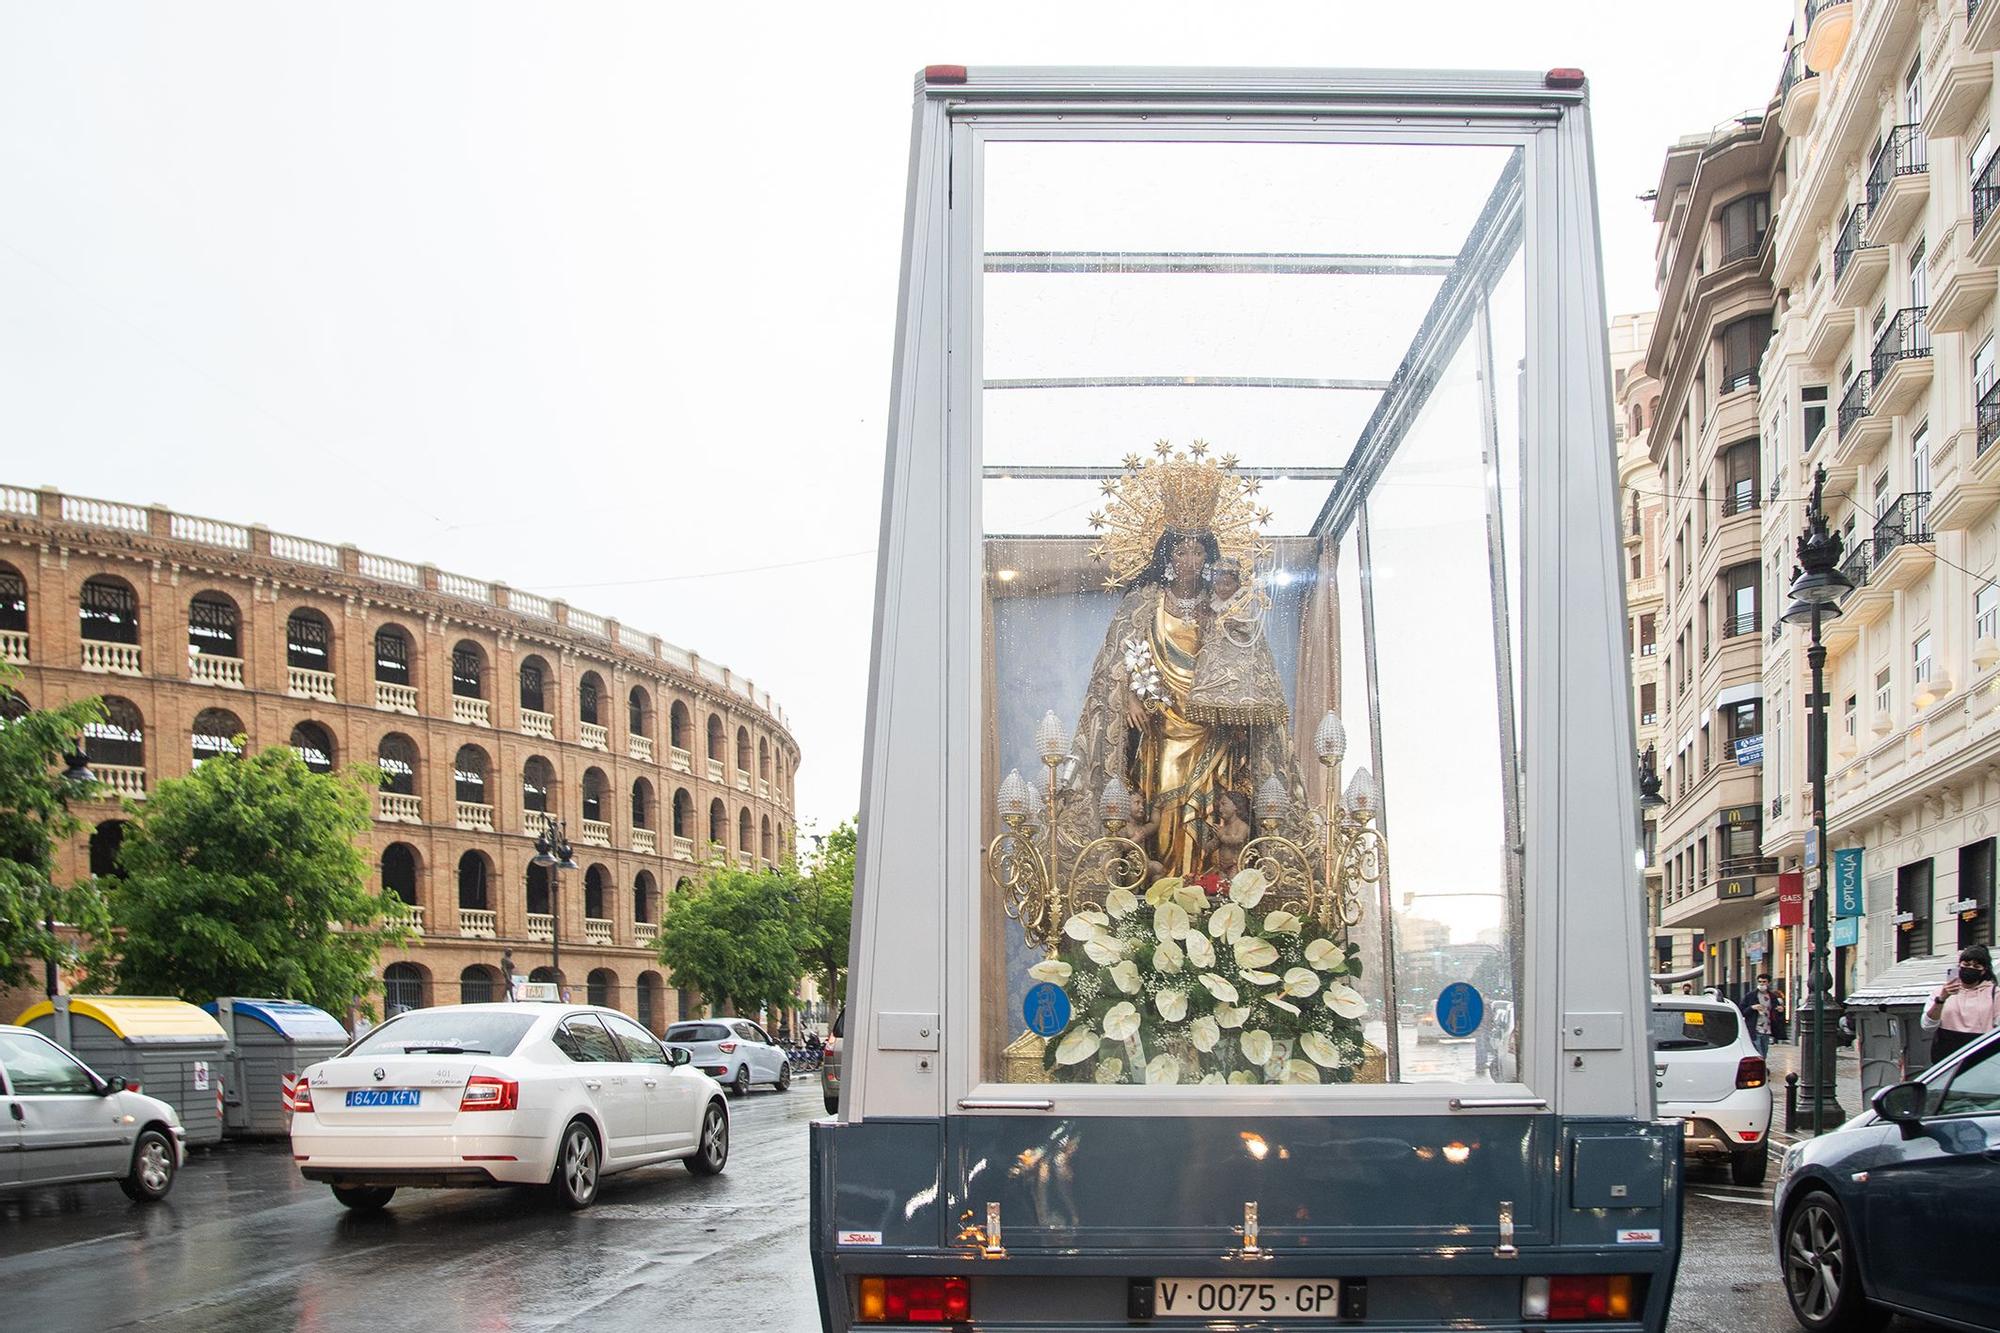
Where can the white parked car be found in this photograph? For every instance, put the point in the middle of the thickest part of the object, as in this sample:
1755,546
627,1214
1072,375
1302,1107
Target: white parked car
1707,1072
68,1123
734,1051
503,1094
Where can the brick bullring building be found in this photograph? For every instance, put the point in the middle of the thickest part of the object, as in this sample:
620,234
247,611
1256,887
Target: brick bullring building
492,712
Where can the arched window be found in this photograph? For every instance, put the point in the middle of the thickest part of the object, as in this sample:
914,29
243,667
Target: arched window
216,731
746,839
468,775
639,711
683,813
120,739
681,726
645,896
642,804
589,691
215,629
468,670
13,599
763,759
601,987
399,871
764,842
594,787
538,780
106,840
594,880
715,737
478,984
648,990
538,890
109,610
402,988
743,749
397,754
308,641
543,976
534,684
718,823
314,746
473,872
392,655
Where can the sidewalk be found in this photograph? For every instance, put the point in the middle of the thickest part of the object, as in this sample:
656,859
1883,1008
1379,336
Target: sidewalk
1783,1060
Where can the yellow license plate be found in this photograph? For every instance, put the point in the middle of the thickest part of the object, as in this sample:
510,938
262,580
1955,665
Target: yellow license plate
1213,1297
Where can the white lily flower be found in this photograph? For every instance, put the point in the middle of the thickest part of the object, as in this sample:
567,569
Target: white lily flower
1079,927
1277,1000
1103,950
1300,1071
1249,887
1170,921
1109,1070
1211,1078
1078,1046
1321,1051
1255,1045
1327,956
1252,951
1219,988
1226,922
1163,1069
1051,969
1167,956
1301,981
1243,1076
1191,899
1204,1032
1344,1000
1231,1016
1281,923
1162,890
1172,1005
1199,951
1257,978
1125,976
1121,1020
1120,902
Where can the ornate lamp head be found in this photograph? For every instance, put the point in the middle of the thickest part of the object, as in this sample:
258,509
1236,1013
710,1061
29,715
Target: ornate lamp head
1274,803
1016,798
1361,793
1330,740
1114,806
1051,739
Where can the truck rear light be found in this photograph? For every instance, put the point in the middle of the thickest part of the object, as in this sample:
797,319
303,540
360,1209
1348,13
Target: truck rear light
726,1047
915,1300
1750,1072
302,1096
486,1093
1584,1296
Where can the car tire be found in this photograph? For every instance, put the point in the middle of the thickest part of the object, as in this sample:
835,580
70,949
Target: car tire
785,1076
364,1198
577,1166
1817,1261
711,1148
152,1173
1748,1166
740,1085
833,1100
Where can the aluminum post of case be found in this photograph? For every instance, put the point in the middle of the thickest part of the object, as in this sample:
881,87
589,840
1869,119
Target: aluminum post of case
993,1248
1250,1229
1506,1249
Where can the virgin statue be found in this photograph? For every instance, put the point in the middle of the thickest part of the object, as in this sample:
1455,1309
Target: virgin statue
1193,771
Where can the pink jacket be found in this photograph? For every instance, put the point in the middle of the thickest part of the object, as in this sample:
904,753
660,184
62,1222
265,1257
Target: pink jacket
1971,1009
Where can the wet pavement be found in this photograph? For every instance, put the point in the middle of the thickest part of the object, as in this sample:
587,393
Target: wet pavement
244,1244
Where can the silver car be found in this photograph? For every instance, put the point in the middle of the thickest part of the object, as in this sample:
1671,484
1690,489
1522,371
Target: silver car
734,1051
66,1123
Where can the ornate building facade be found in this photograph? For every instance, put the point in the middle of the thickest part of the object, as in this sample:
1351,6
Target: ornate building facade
491,713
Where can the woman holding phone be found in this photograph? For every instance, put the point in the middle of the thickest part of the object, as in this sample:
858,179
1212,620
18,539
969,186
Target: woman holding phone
1966,1006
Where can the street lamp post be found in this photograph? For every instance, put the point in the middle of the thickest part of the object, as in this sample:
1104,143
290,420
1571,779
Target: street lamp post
1817,589
553,854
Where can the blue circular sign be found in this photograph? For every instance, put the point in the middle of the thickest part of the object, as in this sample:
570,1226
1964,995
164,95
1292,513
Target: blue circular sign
1459,1009
1046,1009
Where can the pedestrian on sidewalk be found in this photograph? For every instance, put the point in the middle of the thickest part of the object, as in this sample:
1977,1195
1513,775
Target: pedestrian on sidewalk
1761,1006
1966,1007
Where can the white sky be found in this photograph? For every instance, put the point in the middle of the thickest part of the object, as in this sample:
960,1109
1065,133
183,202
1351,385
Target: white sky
599,299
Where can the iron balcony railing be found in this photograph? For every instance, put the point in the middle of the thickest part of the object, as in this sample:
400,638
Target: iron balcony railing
1860,562
1742,379
1777,630
1796,72
1853,403
1849,241
1740,498
1903,153
1743,622
1903,337
1985,192
1743,867
1906,522
1989,420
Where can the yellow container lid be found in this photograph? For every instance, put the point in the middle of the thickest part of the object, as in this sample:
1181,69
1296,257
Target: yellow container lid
135,1017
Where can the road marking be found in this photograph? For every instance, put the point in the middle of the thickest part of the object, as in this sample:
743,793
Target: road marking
1731,1198
94,1240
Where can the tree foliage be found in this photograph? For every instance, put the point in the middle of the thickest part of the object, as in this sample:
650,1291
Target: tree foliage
34,819
244,878
735,936
827,902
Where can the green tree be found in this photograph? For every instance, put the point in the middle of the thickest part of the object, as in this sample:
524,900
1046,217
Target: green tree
244,878
34,819
826,903
734,935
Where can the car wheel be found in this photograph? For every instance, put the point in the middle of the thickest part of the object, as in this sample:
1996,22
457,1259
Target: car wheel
575,1179
784,1076
711,1150
833,1099
1748,1166
1822,1279
152,1173
364,1198
740,1085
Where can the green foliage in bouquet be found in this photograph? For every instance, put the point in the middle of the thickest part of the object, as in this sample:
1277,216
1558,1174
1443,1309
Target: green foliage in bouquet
1179,987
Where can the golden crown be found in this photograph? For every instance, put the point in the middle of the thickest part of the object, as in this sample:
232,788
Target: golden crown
1182,492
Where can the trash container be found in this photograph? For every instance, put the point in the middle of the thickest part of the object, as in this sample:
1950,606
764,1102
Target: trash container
171,1049
270,1042
1887,1015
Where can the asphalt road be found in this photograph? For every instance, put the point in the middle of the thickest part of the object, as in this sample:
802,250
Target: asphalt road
244,1244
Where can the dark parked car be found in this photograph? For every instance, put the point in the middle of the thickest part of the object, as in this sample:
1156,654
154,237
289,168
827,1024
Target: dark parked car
1896,1210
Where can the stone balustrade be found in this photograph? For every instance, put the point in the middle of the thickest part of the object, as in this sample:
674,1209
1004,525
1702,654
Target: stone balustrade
410,916
310,684
121,659
715,770
541,926
535,823
538,724
596,931
14,646
396,698
471,712
644,932
128,781
596,832
478,924
645,840
594,736
680,760
683,849
397,806
639,747
209,669
473,816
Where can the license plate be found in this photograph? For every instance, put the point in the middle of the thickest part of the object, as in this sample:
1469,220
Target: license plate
1208,1297
384,1096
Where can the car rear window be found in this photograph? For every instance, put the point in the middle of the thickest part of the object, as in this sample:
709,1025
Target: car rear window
698,1032
1691,1028
473,1031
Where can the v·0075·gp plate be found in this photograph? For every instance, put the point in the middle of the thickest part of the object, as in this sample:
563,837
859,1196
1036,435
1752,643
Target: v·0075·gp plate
1207,1297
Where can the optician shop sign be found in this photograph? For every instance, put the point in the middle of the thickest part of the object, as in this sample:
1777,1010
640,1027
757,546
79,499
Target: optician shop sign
1847,882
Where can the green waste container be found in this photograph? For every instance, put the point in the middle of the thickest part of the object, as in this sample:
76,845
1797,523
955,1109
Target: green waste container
271,1041
171,1049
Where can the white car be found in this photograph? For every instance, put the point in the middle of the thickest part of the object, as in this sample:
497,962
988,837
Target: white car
734,1051
503,1094
1707,1072
67,1123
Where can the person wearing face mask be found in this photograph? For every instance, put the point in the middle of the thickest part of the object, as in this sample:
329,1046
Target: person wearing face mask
1966,1007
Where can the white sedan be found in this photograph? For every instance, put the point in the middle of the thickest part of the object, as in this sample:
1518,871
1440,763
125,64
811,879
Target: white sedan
503,1094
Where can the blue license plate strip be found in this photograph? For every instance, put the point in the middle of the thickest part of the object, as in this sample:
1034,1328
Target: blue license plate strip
384,1096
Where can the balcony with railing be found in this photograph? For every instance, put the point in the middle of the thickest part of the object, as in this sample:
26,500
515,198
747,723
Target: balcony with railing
307,683
639,747
395,698
1798,94
714,770
1903,542
1858,264
1740,498
478,924
211,669
596,832
1985,247
1982,25
1989,420
1856,564
645,932
680,760
1962,286
682,848
471,711
118,659
126,780
535,723
742,780
1740,623
1899,371
535,823
541,926
410,916
472,815
14,646
596,931
1898,183
1860,428
397,807
594,736
645,840
1956,80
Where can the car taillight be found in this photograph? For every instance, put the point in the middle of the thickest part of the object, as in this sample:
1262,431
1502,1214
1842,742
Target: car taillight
302,1096
485,1093
725,1046
1750,1072
1588,1296
915,1300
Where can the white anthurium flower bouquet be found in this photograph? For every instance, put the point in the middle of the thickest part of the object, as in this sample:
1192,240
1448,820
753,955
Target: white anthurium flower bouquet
1173,986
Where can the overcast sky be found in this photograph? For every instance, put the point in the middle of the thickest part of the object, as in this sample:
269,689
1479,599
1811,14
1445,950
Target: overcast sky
599,299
